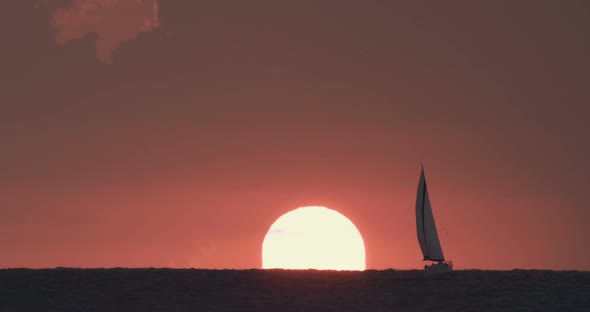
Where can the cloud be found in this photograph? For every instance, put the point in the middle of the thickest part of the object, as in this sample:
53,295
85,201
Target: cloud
114,21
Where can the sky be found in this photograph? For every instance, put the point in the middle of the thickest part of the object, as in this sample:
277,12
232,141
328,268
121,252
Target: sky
173,133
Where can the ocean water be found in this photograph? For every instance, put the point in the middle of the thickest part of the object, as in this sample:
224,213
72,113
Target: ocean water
279,290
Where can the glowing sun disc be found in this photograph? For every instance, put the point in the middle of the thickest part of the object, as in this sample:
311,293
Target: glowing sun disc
313,238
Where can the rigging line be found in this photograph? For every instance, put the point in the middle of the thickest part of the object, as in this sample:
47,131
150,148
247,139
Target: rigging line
423,226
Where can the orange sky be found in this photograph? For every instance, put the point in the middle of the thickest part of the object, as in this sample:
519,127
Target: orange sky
133,139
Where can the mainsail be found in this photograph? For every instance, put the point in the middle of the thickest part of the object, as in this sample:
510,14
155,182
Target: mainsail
427,235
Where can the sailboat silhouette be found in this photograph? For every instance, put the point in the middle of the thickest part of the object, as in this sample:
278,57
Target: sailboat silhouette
426,230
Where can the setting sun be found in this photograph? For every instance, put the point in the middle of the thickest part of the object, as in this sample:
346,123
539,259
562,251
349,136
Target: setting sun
313,238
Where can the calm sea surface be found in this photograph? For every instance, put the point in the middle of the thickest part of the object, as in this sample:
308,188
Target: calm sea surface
277,290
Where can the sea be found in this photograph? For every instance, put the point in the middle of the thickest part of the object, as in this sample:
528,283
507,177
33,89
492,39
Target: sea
155,289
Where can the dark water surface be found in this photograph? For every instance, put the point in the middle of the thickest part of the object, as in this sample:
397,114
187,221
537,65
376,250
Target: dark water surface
277,290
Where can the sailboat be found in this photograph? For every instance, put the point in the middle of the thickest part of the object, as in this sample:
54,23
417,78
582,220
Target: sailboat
427,234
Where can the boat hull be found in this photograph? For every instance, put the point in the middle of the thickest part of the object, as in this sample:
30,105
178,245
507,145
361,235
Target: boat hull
439,268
